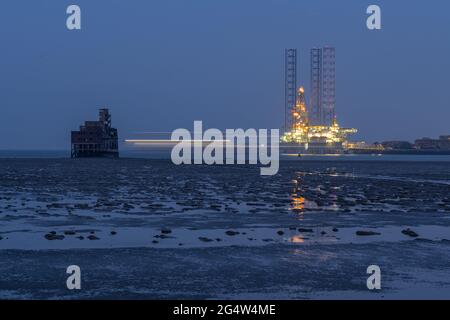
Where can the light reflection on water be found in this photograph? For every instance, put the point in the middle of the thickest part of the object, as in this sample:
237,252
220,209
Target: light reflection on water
296,239
297,201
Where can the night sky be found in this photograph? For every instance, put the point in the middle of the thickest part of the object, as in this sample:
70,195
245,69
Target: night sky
161,64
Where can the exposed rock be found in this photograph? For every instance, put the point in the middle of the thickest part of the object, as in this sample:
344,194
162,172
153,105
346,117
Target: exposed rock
410,233
204,239
166,231
367,233
51,236
161,236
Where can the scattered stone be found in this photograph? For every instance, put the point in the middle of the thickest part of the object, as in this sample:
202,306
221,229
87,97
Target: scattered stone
92,237
410,233
161,236
305,230
113,233
1,238
204,239
218,239
81,237
231,233
280,232
180,244
268,240
323,233
155,241
69,232
166,231
51,236
367,233
335,229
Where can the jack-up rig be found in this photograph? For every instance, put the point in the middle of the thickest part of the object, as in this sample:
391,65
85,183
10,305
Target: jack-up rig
313,130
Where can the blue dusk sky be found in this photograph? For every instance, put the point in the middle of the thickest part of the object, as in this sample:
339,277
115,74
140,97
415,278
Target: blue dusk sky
161,64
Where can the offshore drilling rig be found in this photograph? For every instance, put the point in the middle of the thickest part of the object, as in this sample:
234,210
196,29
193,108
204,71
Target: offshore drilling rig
315,129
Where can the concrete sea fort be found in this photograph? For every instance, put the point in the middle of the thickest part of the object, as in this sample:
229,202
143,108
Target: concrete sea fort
96,138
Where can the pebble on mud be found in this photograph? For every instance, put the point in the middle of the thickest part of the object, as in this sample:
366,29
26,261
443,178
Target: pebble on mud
51,236
410,233
367,233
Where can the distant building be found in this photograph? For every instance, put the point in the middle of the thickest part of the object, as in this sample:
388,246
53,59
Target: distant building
96,138
443,143
397,145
